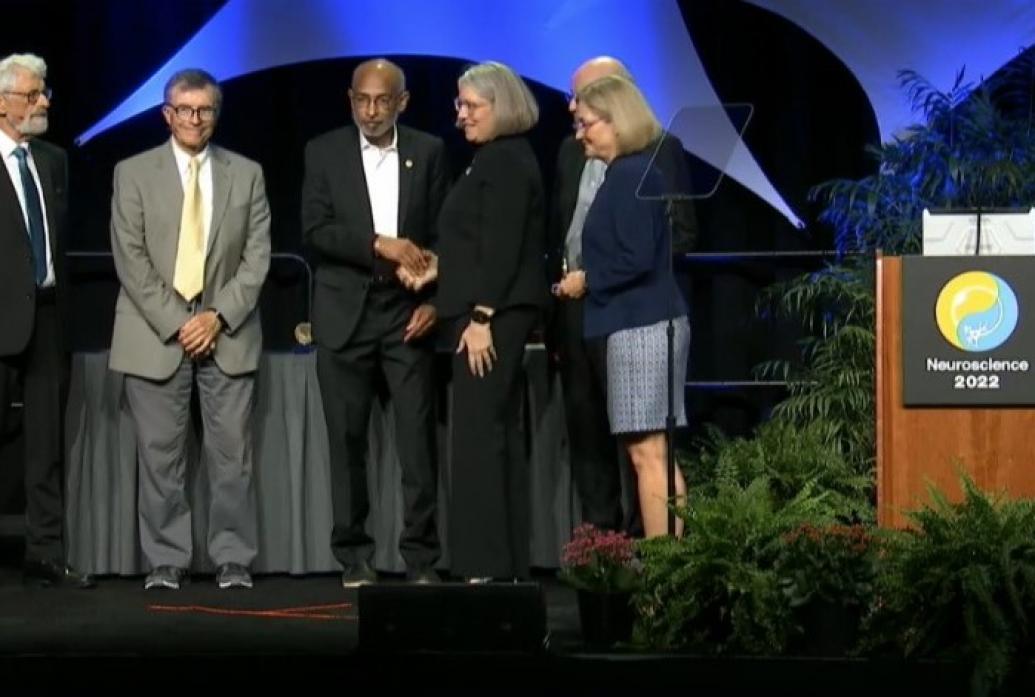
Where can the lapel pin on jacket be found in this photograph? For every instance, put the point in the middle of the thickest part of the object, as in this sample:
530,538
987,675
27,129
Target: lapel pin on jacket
409,163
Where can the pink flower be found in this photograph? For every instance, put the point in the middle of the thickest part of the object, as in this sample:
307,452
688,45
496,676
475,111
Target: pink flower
600,561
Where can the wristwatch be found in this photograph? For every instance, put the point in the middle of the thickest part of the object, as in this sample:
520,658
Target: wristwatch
480,316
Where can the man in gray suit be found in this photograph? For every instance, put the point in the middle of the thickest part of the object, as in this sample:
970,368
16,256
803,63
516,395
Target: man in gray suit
190,233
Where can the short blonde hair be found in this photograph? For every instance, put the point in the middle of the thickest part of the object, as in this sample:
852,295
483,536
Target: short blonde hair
619,102
514,107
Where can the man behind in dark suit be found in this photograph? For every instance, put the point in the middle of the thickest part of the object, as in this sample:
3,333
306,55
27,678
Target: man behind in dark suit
370,199
34,294
583,363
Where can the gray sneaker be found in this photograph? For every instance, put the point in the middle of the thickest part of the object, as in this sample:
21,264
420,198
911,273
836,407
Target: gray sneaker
169,577
233,576
358,574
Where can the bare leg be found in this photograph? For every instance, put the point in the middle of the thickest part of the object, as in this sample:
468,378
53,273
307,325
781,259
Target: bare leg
649,456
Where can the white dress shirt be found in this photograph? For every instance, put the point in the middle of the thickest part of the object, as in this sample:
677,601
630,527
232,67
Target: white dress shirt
381,167
7,148
204,181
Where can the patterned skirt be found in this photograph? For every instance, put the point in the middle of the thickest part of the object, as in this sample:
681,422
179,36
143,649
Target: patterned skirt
637,372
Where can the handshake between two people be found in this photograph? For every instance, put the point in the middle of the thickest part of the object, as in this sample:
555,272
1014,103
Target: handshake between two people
415,267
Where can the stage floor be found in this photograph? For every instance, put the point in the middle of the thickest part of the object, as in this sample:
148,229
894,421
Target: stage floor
306,627
297,633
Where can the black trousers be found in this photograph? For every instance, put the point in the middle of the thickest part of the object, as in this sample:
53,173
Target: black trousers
41,372
349,380
489,506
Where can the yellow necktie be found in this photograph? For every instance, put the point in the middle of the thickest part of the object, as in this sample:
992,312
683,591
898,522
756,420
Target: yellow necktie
189,276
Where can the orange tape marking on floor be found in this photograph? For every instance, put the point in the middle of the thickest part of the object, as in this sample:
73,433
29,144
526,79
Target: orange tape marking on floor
333,612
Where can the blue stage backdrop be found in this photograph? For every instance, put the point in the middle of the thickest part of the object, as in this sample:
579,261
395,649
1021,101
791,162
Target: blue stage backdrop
820,77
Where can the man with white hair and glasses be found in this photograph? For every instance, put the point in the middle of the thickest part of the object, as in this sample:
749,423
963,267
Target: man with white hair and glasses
34,348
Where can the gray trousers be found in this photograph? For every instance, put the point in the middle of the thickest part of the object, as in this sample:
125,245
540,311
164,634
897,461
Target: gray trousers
161,414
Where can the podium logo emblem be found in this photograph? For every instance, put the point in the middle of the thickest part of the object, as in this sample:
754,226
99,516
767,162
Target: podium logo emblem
976,311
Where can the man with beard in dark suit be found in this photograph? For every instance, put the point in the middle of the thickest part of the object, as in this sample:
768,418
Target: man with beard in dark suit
583,363
370,200
34,349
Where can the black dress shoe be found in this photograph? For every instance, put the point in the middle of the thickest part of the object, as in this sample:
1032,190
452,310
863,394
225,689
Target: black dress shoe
422,576
48,572
360,573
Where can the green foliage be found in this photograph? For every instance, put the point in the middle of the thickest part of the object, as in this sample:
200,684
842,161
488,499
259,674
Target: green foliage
792,458
961,585
832,389
758,543
834,564
716,590
975,147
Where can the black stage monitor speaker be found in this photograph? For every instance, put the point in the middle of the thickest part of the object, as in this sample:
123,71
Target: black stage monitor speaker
492,617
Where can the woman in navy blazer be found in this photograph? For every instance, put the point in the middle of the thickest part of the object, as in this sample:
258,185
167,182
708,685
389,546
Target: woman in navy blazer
630,288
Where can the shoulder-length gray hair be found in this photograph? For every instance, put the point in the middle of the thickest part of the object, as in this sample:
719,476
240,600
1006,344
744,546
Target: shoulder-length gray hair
20,61
514,107
620,102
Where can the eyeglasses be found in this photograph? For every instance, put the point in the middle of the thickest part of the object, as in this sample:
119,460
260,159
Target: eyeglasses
461,104
34,96
381,102
584,125
187,113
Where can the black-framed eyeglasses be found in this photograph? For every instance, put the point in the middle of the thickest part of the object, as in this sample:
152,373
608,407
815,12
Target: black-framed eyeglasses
382,102
460,104
187,113
34,96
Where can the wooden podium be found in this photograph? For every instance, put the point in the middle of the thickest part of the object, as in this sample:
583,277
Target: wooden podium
921,445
